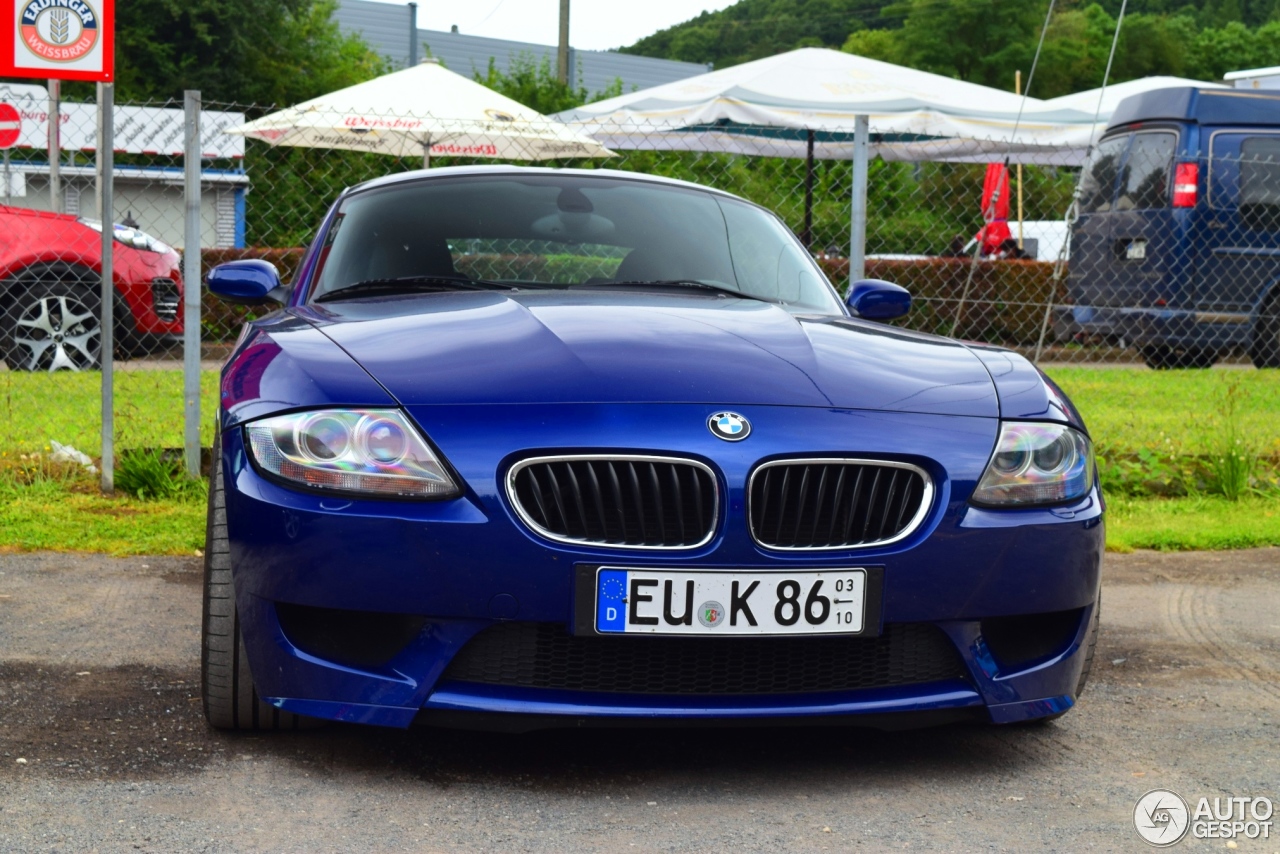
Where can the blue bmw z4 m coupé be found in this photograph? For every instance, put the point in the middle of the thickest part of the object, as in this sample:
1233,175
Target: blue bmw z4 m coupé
531,447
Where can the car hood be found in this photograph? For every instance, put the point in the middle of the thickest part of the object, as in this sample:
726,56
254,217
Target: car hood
598,347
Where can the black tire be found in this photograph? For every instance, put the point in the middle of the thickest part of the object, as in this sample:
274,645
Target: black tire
1091,645
1162,358
1264,349
226,686
50,325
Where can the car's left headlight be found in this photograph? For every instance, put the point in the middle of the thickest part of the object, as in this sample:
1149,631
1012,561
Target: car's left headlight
375,453
1036,463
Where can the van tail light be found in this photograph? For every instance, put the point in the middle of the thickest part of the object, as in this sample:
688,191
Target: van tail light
1185,180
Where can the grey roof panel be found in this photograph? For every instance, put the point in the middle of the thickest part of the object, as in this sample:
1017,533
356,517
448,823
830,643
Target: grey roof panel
385,27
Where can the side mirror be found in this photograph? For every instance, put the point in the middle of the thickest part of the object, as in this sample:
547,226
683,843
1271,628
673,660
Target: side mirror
874,299
250,281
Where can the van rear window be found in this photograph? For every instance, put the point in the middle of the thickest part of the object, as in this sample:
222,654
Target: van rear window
1098,186
1260,183
1145,180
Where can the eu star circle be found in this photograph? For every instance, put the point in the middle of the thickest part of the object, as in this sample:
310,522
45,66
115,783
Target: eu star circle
612,589
729,426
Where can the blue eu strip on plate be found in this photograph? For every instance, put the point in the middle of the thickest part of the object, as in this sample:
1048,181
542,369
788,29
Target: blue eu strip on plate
611,590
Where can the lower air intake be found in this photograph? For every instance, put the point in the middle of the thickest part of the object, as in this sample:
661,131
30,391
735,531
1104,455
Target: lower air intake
544,655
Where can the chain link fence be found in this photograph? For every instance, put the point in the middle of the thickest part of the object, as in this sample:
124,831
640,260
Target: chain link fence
1167,258
1157,276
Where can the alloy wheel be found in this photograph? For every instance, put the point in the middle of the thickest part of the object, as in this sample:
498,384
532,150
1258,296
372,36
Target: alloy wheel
56,333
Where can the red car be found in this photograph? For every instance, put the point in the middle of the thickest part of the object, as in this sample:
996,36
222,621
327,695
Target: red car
50,268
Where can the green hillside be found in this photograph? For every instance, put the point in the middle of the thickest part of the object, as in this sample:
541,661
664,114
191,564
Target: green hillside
984,41
751,29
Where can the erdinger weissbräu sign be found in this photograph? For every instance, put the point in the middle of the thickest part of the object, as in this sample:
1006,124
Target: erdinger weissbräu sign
58,39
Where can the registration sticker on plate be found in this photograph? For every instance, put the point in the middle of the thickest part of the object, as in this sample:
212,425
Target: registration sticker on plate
728,602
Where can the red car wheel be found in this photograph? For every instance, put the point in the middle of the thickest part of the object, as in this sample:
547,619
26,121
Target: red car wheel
53,326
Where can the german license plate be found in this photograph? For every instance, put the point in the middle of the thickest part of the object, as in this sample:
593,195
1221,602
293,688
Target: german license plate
728,602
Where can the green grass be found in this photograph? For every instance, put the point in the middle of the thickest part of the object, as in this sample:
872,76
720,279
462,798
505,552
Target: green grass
1132,409
59,508
1163,416
35,408
1125,409
1197,522
68,515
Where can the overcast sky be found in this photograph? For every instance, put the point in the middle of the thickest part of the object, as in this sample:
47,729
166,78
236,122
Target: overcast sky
593,24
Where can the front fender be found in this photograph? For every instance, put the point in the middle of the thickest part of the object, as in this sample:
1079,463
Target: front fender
283,364
1023,390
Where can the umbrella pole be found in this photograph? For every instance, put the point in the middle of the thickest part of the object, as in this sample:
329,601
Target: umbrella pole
1017,89
808,195
426,153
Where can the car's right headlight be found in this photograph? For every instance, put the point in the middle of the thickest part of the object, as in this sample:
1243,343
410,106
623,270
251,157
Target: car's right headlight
375,453
130,236
1036,463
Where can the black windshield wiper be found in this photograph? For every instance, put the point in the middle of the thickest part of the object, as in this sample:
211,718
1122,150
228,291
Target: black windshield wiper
411,284
684,283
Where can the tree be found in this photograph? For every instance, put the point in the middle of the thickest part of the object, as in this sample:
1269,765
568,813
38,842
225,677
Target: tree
1233,47
244,51
981,41
752,29
985,41
533,83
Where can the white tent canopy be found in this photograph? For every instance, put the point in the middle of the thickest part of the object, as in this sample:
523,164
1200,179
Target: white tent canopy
1073,142
827,104
913,115
1064,128
422,111
768,107
1087,101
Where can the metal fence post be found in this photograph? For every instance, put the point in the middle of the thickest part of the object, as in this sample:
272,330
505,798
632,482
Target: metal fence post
106,176
413,34
55,146
858,212
192,281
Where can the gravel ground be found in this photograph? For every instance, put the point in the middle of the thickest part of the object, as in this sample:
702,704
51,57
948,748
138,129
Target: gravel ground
99,696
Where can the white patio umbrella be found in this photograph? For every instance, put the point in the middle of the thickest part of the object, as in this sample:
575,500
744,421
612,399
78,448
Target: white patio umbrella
422,111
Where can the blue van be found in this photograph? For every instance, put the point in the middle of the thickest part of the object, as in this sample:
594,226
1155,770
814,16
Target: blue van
1176,249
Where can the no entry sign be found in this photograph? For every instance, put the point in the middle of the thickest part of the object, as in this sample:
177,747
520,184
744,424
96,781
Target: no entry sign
10,125
58,39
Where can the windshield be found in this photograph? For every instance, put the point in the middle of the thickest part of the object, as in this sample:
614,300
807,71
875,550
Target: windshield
568,231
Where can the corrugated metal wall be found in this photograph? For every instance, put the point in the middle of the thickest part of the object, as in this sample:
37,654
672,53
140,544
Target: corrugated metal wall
385,26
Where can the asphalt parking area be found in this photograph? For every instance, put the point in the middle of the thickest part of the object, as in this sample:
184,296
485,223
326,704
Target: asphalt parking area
102,745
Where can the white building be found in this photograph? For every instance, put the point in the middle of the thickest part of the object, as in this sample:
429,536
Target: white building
1255,78
150,196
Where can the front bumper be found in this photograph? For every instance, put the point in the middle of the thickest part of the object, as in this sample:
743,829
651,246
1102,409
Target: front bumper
463,565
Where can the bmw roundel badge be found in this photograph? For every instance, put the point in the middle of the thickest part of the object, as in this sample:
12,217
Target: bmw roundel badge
729,426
